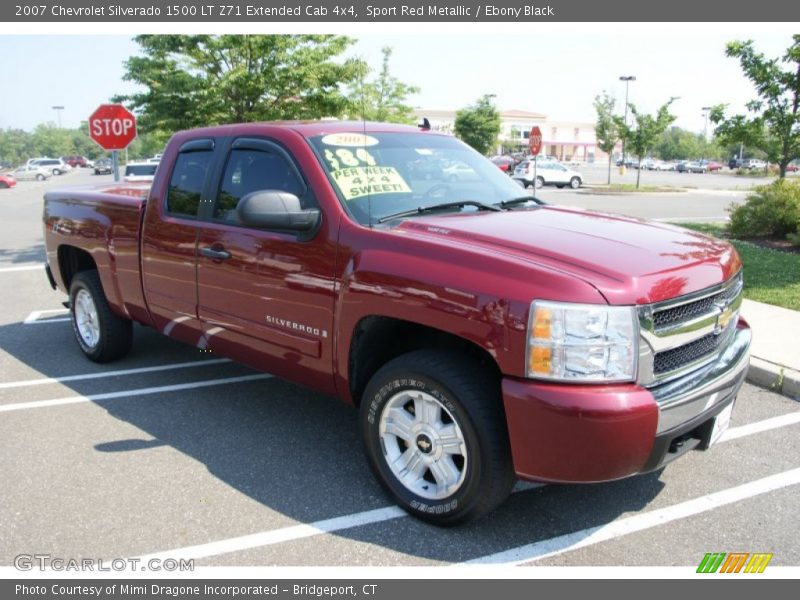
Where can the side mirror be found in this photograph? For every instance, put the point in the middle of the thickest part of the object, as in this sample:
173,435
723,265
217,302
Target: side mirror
275,209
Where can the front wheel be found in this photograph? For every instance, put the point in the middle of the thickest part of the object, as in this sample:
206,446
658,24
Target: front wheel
575,183
40,177
102,336
435,435
539,182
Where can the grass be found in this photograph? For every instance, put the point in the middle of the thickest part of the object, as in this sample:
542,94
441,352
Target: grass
770,276
631,187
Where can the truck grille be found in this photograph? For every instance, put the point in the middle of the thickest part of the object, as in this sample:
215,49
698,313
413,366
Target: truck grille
684,334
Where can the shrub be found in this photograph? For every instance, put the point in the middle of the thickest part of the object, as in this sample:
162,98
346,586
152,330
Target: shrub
771,210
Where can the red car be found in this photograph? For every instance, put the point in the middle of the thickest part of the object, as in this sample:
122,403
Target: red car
711,165
7,181
792,168
504,163
76,161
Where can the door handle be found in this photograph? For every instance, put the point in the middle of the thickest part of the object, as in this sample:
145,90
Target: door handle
215,254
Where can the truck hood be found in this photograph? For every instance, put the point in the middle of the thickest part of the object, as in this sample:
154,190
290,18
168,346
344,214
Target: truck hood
628,260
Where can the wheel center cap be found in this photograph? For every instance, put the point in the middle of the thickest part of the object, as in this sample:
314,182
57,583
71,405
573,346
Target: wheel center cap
424,444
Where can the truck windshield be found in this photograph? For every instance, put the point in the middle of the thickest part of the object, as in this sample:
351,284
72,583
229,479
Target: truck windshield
380,174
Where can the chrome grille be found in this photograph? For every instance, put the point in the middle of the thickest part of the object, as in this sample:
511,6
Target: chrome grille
684,334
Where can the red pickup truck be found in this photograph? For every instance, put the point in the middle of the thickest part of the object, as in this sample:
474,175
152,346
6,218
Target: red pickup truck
484,335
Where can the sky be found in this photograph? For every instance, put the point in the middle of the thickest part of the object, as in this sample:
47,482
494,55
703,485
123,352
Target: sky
556,70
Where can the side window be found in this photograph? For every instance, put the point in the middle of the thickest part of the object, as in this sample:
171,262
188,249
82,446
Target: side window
251,170
186,184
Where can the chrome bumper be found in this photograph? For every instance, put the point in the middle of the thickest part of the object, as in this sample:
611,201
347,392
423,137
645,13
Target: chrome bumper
682,399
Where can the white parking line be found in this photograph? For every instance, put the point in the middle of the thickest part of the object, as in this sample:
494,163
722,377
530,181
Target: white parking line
760,426
127,393
35,318
37,266
285,534
640,522
296,532
118,373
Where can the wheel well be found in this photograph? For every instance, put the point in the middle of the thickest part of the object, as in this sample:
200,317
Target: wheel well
72,260
377,340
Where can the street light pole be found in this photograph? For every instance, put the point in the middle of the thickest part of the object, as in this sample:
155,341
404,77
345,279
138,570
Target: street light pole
58,110
706,110
627,79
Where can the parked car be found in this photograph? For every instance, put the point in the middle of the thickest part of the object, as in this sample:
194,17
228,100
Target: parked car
483,335
140,171
31,173
547,173
711,165
103,166
753,164
505,163
7,181
792,167
76,161
648,164
56,166
662,165
690,166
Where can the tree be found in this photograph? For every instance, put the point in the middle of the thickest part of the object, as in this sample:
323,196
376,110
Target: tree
479,124
199,80
773,123
642,133
677,143
606,130
385,98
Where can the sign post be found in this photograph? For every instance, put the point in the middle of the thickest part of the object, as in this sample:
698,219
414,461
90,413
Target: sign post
535,146
112,127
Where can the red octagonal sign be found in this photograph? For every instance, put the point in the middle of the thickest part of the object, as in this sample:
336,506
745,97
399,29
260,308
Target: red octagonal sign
535,140
112,126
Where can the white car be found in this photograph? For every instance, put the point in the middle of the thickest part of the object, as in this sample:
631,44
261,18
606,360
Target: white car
31,172
55,166
140,171
547,173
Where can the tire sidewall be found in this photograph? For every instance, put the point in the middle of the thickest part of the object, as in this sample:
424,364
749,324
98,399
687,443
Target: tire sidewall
79,284
374,402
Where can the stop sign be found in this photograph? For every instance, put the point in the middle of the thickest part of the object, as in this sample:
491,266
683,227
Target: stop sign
535,140
112,126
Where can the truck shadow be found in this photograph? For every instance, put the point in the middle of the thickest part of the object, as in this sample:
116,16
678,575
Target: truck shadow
295,452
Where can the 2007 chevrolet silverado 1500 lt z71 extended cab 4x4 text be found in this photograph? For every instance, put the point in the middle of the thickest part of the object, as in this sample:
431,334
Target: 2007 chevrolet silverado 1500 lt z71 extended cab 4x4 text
483,335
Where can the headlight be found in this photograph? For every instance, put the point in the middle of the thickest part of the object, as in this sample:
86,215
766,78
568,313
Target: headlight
582,342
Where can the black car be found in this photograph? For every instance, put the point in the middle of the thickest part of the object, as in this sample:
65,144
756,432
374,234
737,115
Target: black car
104,166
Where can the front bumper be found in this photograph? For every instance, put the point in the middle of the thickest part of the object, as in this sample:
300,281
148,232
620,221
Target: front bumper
587,433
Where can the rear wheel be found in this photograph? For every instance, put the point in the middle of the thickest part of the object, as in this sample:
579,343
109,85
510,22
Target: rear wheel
435,435
40,177
3,185
539,182
101,335
56,171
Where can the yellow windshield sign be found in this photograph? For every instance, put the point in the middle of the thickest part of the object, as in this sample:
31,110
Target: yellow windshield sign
356,182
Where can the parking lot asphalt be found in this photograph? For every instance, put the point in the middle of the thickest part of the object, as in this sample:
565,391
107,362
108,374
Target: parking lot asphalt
174,453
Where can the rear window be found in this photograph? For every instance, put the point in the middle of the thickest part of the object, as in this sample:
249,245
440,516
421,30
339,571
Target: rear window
141,169
186,184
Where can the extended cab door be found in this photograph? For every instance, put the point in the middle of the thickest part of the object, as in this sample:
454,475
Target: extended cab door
169,242
266,296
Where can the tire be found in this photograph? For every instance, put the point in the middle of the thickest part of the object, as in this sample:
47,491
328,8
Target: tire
575,183
539,182
101,335
40,177
56,172
3,185
460,402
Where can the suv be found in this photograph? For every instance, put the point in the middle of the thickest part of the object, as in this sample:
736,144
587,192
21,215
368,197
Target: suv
55,166
140,171
753,164
103,166
547,172
77,161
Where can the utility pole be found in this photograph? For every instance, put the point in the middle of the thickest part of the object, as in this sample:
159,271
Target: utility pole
627,79
58,110
706,110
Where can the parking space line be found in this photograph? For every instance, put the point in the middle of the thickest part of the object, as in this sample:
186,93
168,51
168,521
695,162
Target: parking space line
760,426
127,393
284,534
117,373
35,318
640,522
22,268
296,532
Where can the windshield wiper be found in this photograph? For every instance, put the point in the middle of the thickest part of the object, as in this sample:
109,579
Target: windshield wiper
520,200
434,207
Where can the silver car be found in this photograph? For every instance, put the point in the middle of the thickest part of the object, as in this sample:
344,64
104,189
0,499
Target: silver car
547,173
31,172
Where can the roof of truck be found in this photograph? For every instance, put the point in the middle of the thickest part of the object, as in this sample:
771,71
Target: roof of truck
313,128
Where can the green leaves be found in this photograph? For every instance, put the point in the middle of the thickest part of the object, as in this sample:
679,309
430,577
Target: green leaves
773,122
384,99
479,125
199,80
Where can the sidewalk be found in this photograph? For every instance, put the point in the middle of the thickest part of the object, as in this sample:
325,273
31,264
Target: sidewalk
775,353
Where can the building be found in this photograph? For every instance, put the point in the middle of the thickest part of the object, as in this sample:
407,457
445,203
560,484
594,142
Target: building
566,140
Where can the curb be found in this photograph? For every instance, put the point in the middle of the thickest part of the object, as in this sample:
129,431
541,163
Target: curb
776,378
